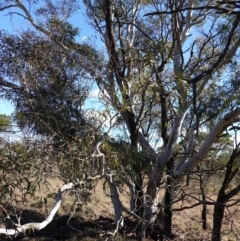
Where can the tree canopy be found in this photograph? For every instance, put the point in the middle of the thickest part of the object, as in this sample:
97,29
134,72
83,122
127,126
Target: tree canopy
5,121
167,73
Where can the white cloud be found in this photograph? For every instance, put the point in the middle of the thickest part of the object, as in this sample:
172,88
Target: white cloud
85,39
94,93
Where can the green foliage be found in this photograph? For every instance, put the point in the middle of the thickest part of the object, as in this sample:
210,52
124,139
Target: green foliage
145,73
63,32
56,84
5,121
74,156
129,162
21,171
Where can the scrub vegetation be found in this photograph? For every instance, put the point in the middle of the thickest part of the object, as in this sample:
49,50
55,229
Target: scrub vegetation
155,154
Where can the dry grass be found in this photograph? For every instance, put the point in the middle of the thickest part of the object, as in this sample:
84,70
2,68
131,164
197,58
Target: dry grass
189,221
98,213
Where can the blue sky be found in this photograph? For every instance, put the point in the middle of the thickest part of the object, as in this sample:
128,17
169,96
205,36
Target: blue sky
16,23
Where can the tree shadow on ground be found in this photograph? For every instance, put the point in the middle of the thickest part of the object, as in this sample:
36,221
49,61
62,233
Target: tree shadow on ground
98,229
58,229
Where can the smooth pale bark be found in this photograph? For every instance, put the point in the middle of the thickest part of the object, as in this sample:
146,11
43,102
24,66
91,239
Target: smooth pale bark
167,153
147,147
152,193
192,162
38,226
184,167
164,218
189,150
117,205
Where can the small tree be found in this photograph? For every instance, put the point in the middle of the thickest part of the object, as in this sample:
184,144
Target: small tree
227,191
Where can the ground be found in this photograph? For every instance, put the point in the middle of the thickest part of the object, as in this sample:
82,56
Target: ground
94,220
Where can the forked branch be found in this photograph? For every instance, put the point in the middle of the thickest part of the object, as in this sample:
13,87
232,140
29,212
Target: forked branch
38,226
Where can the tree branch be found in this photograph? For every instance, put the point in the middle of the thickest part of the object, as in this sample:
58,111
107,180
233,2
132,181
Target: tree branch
207,144
225,55
220,9
38,226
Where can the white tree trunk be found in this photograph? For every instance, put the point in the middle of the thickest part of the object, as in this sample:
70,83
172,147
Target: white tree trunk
117,205
190,163
38,226
152,193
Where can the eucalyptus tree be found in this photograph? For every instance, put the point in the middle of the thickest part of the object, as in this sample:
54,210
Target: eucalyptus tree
46,85
168,56
165,69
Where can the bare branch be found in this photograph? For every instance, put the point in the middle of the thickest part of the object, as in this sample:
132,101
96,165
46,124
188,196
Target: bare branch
38,226
207,144
8,6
